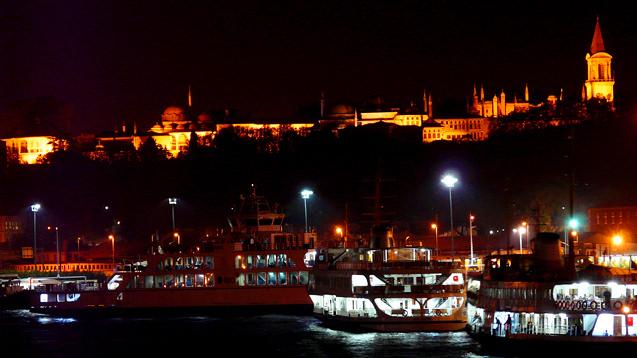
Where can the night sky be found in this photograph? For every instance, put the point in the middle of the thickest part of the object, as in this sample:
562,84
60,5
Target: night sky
128,60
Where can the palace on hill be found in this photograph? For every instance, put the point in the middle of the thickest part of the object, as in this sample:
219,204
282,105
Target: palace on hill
177,126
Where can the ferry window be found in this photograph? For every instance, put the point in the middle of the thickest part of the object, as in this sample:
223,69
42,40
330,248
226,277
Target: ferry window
190,279
210,262
419,280
179,280
249,261
271,278
160,265
159,281
179,263
260,261
265,222
277,221
139,282
294,278
210,280
409,281
282,260
189,262
199,280
241,280
250,279
169,281
303,277
291,263
283,278
271,260
168,263
239,262
198,262
261,278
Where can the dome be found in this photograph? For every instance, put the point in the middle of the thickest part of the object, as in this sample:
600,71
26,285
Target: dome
173,114
342,109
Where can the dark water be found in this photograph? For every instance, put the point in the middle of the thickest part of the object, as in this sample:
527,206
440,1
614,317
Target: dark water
32,335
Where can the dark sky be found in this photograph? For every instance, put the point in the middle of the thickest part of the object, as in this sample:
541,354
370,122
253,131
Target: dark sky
114,61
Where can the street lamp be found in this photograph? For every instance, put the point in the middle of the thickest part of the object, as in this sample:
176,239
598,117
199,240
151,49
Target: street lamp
520,230
435,227
57,248
617,240
172,202
527,229
305,194
35,208
449,181
471,218
112,238
178,237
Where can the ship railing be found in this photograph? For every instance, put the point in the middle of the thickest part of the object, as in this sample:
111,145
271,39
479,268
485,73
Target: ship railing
425,289
421,265
502,330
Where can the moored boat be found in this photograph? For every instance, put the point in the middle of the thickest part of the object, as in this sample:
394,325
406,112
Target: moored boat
392,289
258,267
528,299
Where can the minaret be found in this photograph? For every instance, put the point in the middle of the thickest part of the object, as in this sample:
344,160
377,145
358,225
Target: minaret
526,92
561,94
482,100
583,93
322,104
495,106
503,103
429,107
600,81
355,117
424,102
189,97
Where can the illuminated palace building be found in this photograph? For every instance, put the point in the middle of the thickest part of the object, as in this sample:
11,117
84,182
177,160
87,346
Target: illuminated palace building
177,126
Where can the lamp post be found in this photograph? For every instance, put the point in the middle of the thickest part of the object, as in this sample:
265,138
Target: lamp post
527,230
57,248
112,238
450,181
172,202
520,230
435,227
78,248
35,208
471,218
617,241
305,194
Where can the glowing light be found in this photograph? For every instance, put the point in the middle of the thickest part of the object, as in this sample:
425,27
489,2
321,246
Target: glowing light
626,309
434,226
305,194
35,208
617,240
172,201
449,180
573,224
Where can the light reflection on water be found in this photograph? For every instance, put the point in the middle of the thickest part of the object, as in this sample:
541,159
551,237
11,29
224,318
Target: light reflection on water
297,336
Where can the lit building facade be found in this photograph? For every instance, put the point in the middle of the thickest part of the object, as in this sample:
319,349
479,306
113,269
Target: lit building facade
10,226
456,129
498,105
600,79
29,150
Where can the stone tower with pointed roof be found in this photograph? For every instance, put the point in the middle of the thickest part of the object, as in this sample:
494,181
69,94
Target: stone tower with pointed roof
600,79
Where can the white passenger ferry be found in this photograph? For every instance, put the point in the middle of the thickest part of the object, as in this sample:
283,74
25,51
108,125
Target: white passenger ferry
536,298
389,289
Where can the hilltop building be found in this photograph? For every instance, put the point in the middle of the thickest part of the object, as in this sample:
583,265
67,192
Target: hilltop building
600,79
498,106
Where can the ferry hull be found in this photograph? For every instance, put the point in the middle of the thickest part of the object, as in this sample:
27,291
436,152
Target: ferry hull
379,325
527,344
178,300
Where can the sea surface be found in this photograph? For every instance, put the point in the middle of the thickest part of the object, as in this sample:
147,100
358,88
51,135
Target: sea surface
26,334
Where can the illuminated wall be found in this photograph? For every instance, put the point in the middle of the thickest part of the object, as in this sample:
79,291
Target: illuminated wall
466,129
29,149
